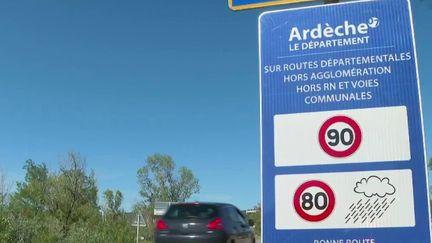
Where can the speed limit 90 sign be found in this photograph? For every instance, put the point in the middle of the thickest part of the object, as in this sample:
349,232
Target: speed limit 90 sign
340,136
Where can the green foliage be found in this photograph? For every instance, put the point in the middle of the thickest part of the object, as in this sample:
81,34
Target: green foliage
63,198
32,194
159,181
74,194
28,207
147,212
256,217
113,202
62,207
5,225
51,207
3,190
115,227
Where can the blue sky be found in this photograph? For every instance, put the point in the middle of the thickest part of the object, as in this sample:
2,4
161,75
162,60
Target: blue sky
119,80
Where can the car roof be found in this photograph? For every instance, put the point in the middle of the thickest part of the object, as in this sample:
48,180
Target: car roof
217,204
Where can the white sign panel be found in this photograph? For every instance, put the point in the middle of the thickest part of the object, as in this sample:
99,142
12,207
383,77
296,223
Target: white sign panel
345,200
345,136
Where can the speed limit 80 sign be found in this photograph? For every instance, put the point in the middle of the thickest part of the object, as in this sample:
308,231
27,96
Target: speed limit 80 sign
314,201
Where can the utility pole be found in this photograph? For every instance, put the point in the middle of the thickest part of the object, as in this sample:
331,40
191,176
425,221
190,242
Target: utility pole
138,226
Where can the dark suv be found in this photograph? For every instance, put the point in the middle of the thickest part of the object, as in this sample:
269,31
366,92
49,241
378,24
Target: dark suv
203,223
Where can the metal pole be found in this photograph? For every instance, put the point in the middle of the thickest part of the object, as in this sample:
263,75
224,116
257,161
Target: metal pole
138,226
330,1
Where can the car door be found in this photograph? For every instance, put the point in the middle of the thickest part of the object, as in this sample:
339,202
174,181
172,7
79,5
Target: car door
246,235
241,231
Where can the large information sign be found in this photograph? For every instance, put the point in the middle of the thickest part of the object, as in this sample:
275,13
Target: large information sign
343,152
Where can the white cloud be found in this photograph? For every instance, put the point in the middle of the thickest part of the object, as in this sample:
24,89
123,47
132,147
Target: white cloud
375,186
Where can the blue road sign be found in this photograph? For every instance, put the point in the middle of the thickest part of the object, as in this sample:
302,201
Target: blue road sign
343,152
248,4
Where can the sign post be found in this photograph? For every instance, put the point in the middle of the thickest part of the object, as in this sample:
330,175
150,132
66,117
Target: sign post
343,154
249,4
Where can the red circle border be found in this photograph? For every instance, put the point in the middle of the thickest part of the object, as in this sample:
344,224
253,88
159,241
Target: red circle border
323,215
357,140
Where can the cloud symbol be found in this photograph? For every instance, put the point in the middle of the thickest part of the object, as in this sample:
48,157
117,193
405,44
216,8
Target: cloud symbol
375,186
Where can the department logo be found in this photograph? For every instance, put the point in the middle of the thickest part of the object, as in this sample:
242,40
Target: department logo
374,22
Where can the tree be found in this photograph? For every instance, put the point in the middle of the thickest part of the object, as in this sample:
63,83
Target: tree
159,181
32,194
28,207
3,189
47,205
74,193
62,207
115,226
5,223
113,202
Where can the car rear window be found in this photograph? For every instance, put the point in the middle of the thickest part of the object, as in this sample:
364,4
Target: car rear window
189,211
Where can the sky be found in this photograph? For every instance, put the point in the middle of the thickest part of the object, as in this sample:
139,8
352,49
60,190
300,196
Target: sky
118,81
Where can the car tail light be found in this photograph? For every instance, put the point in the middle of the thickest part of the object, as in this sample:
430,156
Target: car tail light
215,224
161,225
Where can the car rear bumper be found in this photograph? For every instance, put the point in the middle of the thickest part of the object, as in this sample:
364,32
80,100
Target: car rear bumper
214,237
